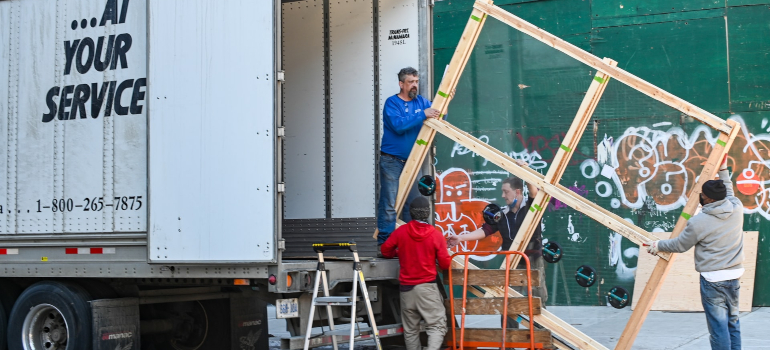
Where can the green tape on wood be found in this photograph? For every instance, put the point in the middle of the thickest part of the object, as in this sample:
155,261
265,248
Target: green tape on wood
440,116
442,94
565,148
475,18
532,209
686,216
721,143
599,79
421,142
537,207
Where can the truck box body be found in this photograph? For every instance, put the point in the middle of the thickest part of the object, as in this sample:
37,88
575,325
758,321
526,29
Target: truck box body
166,164
139,135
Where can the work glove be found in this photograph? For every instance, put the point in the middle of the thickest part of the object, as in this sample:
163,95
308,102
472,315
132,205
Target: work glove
652,247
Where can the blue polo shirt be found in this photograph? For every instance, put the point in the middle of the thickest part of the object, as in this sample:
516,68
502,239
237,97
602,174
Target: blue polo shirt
402,121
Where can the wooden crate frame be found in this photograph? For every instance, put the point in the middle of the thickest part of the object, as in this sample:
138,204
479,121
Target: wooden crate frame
549,184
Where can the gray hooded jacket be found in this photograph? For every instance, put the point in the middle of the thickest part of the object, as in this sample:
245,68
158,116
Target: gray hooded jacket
716,233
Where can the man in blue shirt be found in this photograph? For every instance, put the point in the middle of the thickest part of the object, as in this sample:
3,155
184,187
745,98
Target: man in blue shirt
402,119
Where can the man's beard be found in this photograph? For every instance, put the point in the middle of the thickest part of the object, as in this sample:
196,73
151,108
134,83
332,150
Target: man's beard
412,93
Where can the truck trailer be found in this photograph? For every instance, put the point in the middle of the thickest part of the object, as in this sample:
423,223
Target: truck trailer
168,164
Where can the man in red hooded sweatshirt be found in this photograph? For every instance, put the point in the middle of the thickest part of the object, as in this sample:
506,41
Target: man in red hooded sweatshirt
418,246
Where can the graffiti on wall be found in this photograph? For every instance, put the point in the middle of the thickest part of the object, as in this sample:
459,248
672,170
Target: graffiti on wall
458,212
532,156
648,169
660,165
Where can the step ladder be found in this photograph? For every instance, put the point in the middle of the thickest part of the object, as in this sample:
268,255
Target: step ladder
329,301
531,338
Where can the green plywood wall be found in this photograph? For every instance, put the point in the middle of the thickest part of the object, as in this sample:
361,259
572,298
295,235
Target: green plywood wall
520,96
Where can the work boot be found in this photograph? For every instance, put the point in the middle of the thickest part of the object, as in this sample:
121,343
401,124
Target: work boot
379,251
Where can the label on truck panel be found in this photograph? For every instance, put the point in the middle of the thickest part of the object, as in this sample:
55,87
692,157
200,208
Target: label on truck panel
117,337
77,120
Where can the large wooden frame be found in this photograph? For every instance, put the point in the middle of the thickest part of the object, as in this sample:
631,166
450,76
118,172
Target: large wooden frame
549,184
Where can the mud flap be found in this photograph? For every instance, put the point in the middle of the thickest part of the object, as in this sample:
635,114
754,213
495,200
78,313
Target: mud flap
248,323
115,324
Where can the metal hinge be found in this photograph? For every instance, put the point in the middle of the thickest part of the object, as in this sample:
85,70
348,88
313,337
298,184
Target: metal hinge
280,131
281,244
281,187
281,75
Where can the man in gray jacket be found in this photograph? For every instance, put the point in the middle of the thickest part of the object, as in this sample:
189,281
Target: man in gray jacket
717,235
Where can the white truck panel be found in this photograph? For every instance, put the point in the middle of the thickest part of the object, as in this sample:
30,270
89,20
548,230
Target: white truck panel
351,50
398,45
305,122
5,110
211,127
75,104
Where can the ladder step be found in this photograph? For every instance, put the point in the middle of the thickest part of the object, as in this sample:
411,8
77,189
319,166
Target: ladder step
492,337
492,277
336,301
494,306
356,333
333,299
332,303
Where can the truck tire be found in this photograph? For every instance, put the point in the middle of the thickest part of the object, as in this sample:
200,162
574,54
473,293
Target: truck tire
51,316
8,294
3,324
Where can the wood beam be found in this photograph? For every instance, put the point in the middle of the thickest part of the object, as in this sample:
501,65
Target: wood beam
568,197
440,102
492,278
643,306
593,61
560,161
488,337
494,306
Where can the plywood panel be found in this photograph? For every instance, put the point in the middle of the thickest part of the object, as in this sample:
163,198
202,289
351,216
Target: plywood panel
681,290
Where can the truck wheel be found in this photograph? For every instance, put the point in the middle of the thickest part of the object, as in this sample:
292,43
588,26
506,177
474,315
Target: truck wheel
51,316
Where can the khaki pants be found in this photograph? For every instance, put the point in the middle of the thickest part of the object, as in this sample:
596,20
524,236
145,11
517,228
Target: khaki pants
424,302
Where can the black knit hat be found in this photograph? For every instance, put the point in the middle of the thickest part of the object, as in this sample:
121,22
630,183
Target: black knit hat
715,189
420,202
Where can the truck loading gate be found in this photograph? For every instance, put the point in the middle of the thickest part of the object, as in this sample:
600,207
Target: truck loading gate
549,184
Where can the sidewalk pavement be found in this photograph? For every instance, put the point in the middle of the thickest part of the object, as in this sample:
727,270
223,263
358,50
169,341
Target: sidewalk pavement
661,330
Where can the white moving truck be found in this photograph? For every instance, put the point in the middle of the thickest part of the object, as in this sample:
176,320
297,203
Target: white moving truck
166,164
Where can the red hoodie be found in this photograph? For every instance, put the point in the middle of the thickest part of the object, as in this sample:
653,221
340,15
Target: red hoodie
418,246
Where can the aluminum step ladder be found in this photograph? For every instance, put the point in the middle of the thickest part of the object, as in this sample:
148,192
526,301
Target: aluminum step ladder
329,301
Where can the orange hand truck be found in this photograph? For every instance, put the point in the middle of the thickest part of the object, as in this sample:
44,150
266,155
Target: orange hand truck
503,343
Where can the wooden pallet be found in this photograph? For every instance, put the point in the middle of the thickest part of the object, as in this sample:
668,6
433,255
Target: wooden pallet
549,184
492,337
